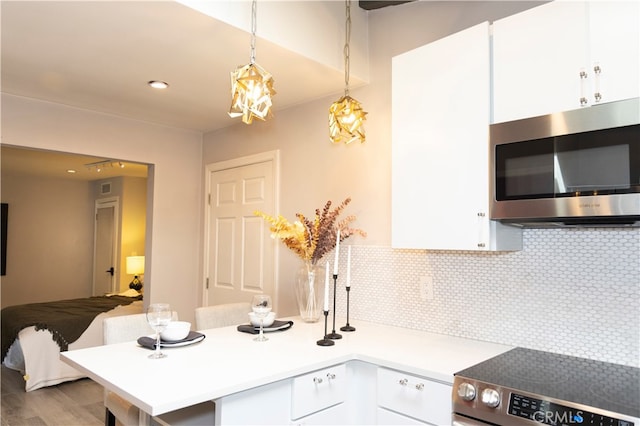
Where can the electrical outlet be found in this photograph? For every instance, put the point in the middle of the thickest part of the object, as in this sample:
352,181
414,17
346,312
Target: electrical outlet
426,288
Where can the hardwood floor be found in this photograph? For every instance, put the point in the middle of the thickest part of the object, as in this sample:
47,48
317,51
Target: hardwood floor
78,403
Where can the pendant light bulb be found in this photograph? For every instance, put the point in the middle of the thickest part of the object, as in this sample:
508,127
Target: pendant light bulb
251,85
346,115
251,92
346,119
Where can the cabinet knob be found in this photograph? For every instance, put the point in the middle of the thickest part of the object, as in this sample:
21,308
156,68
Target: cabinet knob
317,380
331,376
405,382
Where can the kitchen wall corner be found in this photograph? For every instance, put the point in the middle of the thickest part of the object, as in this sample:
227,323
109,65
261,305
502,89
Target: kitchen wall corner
572,291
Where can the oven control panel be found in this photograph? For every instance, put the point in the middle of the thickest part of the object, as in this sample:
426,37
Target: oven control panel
549,413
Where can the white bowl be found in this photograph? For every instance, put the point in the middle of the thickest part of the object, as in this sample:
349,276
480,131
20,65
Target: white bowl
176,330
268,320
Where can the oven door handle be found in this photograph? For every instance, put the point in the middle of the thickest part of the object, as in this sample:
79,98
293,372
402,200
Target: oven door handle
458,420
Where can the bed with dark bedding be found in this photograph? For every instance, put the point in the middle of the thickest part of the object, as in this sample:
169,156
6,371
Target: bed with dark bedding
34,334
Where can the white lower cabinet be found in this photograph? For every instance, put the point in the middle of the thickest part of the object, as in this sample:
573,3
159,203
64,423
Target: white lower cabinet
412,399
264,405
318,390
329,416
388,417
351,393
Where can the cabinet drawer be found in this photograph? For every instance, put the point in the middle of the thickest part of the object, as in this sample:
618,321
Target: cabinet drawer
386,417
328,416
414,396
318,390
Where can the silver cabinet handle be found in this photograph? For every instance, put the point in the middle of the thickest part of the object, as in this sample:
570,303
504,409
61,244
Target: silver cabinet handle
583,78
405,382
482,225
318,380
597,70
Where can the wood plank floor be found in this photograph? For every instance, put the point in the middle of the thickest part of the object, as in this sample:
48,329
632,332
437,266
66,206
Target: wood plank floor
78,403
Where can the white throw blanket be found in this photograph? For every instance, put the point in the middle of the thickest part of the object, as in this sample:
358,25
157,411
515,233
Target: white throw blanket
37,356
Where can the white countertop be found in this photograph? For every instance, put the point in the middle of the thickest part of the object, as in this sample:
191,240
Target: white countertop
228,361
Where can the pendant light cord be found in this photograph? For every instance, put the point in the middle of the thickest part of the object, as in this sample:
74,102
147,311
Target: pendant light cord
254,7
346,46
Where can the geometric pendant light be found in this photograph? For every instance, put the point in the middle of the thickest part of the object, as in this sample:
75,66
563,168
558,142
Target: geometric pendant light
346,116
251,86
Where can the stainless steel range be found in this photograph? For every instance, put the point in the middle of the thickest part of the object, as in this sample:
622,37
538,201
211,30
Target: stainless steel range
529,387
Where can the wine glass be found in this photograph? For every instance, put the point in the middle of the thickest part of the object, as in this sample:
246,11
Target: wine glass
261,306
158,316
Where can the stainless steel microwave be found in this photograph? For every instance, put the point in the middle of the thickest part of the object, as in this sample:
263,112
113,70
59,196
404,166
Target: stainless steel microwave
580,167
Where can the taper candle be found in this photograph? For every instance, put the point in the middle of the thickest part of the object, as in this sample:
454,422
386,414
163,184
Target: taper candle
349,266
335,265
326,287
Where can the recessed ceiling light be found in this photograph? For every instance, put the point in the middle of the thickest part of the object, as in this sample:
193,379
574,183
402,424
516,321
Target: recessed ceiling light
71,171
157,84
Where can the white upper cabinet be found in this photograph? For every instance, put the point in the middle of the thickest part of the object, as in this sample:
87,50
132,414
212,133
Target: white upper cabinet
564,55
615,49
440,126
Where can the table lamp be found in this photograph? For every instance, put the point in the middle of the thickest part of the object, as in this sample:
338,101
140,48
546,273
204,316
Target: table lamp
135,267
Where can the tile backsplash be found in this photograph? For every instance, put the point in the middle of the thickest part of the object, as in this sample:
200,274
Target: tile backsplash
573,291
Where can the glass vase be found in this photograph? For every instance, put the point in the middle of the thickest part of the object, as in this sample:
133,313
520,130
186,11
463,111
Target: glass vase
310,291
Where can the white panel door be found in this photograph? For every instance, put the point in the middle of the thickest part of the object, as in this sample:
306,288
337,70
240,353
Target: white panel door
105,249
240,258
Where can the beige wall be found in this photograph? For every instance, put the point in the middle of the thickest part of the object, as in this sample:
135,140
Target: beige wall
132,237
175,195
312,169
49,239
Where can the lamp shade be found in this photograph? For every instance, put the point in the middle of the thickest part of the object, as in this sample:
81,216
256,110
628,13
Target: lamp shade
251,92
346,119
135,265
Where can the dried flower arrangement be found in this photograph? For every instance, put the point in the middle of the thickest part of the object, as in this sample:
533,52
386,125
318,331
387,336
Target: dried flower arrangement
309,238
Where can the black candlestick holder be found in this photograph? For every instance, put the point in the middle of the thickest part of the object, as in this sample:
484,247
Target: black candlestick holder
325,341
333,335
347,327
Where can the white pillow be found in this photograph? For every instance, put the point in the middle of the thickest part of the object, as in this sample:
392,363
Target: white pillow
129,293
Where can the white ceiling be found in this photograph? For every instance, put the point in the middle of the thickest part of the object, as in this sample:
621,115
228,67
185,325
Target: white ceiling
50,164
99,55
